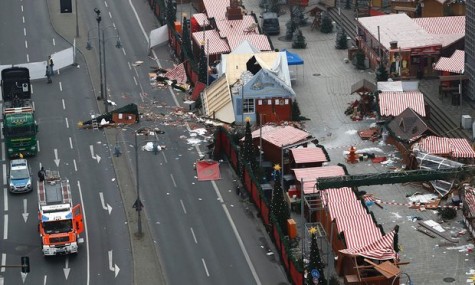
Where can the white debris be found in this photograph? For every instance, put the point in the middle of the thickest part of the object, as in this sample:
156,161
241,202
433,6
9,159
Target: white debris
199,131
149,147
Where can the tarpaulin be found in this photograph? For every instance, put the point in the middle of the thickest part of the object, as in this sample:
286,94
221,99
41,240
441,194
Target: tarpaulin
208,170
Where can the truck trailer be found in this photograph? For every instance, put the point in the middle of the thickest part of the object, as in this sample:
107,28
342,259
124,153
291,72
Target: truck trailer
59,222
18,114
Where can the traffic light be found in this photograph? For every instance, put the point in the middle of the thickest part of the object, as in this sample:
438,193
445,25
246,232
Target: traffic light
25,264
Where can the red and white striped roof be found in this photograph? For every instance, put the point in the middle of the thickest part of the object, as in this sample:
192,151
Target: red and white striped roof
312,173
394,103
308,155
259,41
382,249
455,63
470,199
343,208
446,29
228,28
359,230
201,19
216,8
455,147
281,135
178,73
214,44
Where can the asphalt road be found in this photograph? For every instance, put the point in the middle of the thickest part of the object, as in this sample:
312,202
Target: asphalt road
59,107
203,232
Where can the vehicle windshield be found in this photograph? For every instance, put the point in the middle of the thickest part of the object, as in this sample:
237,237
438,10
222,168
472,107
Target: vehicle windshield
54,227
19,174
271,22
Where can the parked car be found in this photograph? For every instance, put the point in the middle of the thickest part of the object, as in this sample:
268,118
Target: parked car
270,23
19,176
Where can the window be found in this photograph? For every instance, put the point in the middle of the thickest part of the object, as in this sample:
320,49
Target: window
248,106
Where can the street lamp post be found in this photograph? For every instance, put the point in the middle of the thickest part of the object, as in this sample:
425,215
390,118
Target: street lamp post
138,203
102,56
77,22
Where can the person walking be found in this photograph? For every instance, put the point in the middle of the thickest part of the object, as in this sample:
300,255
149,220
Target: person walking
48,75
51,65
42,174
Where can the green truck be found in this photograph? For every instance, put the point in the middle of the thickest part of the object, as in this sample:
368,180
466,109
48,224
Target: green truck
18,114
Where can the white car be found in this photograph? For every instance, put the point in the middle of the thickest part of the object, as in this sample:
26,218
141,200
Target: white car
19,177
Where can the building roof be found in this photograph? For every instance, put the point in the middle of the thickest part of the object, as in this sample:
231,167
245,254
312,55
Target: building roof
309,155
244,46
418,32
363,86
394,103
217,101
234,64
397,27
455,147
201,19
455,63
229,28
214,44
408,126
261,42
446,30
311,174
281,135
216,9
177,73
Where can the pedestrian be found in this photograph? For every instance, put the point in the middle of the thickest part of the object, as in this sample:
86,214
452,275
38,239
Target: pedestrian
50,64
42,174
48,75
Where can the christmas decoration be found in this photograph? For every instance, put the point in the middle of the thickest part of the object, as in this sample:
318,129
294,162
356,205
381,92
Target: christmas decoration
382,73
298,40
279,207
248,150
315,265
171,12
360,58
186,40
203,65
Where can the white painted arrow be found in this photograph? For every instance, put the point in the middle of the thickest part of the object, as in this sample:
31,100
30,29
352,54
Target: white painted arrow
66,268
23,276
56,159
114,268
104,206
96,157
25,213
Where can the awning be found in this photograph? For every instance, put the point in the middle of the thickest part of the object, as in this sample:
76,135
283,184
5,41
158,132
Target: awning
293,58
358,230
382,249
208,170
394,103
309,155
453,147
455,63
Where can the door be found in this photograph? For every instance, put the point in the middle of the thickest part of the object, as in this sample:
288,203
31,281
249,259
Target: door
77,219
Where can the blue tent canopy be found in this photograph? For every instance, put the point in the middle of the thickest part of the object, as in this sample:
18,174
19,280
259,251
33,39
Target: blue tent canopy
293,58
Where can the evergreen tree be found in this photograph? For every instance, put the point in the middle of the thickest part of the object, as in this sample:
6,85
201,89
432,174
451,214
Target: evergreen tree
341,39
291,27
298,40
315,261
348,4
171,12
248,152
360,57
382,73
279,207
273,6
203,65
295,111
327,25
186,40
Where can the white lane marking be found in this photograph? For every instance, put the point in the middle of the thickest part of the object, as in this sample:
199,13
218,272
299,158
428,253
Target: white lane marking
193,234
27,58
135,80
183,206
71,142
164,157
5,226
60,86
56,159
173,179
114,268
26,44
204,265
54,42
4,174
24,32
25,208
105,3
4,261
5,199
38,144
67,123
86,234
75,165
110,15
66,268
45,279
64,104
21,8
107,207
23,18
3,151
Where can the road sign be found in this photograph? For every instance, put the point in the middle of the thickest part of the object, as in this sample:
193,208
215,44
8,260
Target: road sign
315,273
25,264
